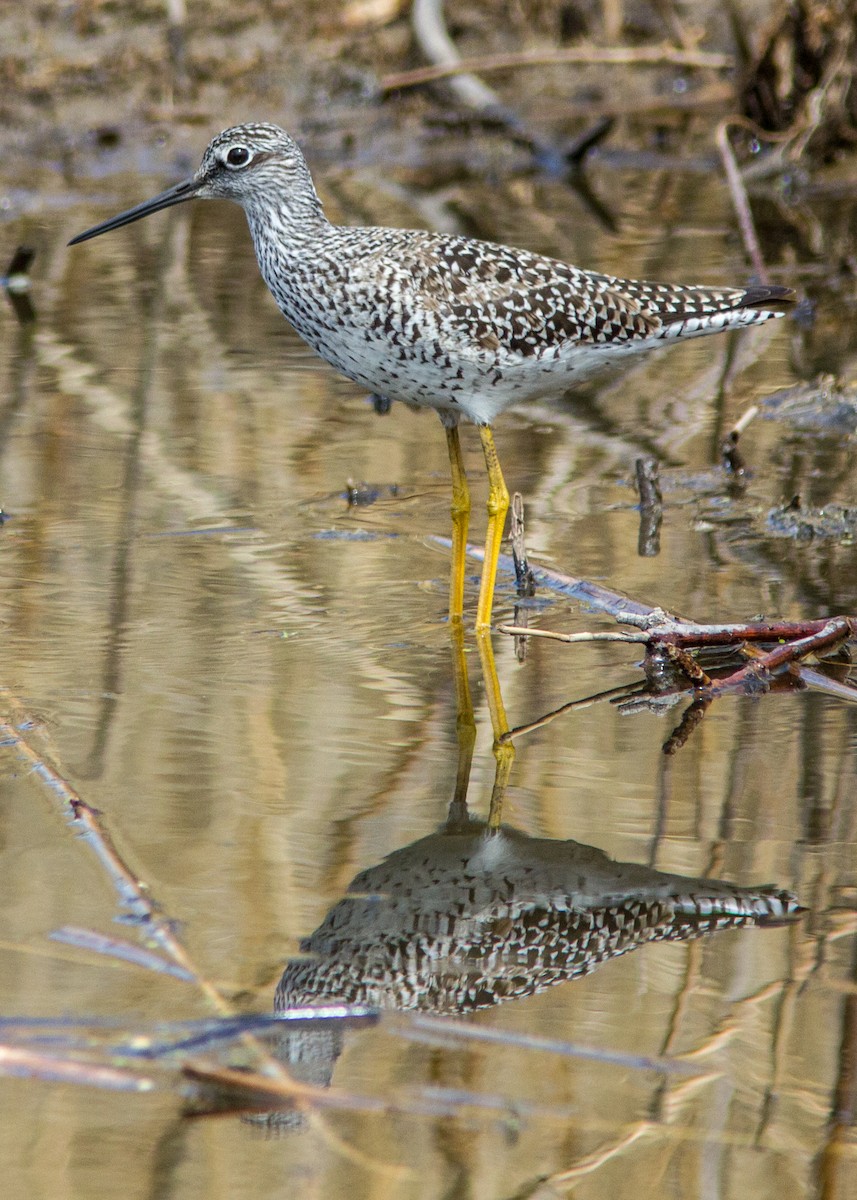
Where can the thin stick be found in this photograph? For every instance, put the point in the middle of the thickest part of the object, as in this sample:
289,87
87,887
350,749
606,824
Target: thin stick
748,415
601,636
615,56
690,633
740,202
731,457
523,574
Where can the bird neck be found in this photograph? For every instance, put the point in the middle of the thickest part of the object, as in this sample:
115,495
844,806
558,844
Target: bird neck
289,217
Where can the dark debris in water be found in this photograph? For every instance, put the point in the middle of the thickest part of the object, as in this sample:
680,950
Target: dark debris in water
361,494
16,284
823,405
352,535
793,520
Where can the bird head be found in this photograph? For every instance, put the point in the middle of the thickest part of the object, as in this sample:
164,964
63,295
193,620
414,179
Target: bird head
240,164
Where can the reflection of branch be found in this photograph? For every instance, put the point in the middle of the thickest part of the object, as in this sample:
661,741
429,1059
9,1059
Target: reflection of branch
612,694
669,639
647,471
133,894
691,717
445,1031
33,1064
740,202
641,56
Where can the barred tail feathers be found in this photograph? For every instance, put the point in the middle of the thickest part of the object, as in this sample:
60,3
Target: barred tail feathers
708,310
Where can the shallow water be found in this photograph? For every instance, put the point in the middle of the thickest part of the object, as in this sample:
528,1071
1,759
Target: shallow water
252,680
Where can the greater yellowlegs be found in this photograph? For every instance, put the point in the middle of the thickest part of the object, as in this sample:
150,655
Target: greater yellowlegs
465,327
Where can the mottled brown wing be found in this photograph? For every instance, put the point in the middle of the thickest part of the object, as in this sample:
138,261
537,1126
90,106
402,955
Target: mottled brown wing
524,303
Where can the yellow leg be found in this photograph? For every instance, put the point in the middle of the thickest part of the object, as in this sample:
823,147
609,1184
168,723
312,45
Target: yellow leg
498,506
460,522
504,751
465,726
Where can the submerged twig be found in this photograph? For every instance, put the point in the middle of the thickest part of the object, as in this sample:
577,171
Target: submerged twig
593,594
523,574
691,717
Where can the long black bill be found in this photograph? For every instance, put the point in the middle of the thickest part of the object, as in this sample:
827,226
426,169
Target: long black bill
173,195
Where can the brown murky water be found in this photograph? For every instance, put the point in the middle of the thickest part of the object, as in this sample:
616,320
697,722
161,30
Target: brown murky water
253,682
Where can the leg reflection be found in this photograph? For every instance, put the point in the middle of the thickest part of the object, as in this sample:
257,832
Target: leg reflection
465,727
504,750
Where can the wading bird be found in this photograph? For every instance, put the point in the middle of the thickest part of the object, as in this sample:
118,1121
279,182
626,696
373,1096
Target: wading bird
462,326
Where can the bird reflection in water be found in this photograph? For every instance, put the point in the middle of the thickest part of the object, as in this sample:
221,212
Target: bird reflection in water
479,913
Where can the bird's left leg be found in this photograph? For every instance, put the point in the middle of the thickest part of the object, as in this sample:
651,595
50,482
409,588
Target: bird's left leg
460,518
498,506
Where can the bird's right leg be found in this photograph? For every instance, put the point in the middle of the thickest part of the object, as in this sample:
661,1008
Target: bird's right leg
465,726
498,506
460,521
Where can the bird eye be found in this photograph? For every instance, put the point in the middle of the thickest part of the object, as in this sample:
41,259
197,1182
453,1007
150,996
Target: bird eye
238,156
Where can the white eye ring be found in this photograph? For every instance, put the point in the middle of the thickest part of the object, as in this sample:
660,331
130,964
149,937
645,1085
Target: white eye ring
237,157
